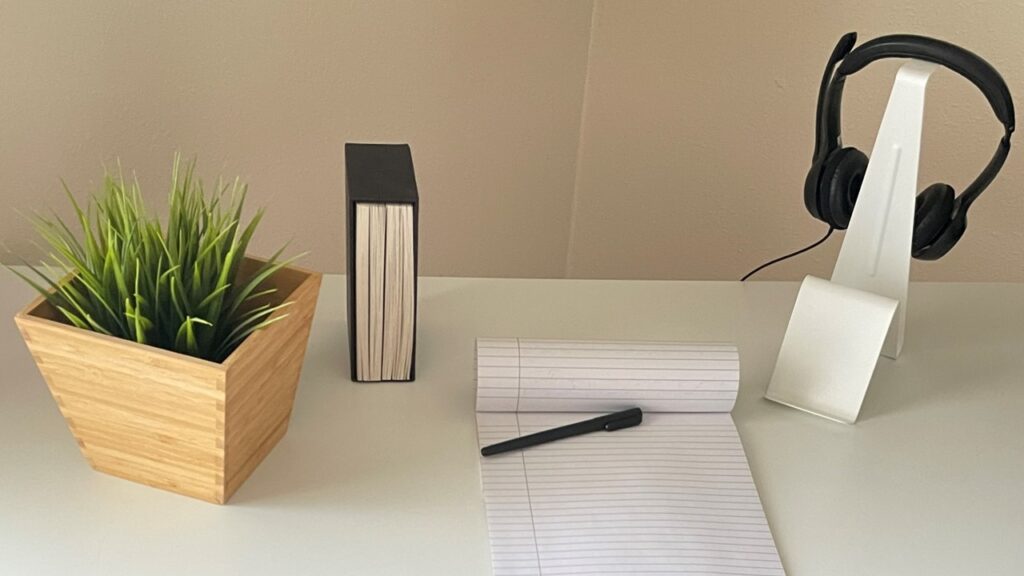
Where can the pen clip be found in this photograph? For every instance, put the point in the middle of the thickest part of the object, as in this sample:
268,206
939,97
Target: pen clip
629,418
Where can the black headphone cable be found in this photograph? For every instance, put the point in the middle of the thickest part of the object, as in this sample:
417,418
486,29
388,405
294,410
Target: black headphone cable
790,255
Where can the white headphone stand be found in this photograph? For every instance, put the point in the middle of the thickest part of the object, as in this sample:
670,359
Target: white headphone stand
839,327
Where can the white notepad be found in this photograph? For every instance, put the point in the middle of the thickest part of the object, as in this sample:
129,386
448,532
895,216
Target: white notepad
671,496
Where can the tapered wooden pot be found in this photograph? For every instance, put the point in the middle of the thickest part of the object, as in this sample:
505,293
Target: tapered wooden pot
172,421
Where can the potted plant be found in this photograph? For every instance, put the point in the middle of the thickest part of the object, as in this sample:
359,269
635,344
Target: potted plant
173,355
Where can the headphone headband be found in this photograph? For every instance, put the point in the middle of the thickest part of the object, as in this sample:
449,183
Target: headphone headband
962,61
842,48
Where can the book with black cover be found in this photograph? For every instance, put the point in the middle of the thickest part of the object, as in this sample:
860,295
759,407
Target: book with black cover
378,174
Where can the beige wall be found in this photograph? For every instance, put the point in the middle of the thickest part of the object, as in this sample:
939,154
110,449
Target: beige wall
487,93
622,139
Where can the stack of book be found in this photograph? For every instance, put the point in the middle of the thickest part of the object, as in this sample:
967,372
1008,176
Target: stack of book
382,214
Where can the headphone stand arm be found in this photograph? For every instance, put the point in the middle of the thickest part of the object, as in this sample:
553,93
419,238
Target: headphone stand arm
839,327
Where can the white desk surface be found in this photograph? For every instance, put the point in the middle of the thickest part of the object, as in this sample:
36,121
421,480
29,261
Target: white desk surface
383,478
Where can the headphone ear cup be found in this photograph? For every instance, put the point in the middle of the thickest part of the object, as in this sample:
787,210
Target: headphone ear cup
933,212
811,184
947,238
841,178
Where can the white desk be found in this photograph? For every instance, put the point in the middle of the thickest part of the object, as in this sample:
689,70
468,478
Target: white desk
383,478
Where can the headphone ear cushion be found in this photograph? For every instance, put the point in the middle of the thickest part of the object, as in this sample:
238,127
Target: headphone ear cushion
933,211
947,238
841,178
811,184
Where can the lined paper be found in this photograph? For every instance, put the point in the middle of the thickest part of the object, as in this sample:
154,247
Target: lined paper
671,496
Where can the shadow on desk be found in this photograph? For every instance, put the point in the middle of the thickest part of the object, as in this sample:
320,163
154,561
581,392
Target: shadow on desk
951,355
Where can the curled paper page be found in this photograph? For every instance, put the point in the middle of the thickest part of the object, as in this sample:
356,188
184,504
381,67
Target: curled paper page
525,375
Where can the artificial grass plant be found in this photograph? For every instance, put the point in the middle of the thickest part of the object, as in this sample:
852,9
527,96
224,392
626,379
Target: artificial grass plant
175,287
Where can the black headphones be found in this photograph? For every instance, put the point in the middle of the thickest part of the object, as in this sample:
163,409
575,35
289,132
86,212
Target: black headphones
832,185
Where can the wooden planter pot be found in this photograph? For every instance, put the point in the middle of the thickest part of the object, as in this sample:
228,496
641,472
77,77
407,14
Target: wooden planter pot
168,420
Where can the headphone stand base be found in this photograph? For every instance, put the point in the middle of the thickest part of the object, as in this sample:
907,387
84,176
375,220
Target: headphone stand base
839,327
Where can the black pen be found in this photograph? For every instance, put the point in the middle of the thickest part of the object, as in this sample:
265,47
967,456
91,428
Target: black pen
609,422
